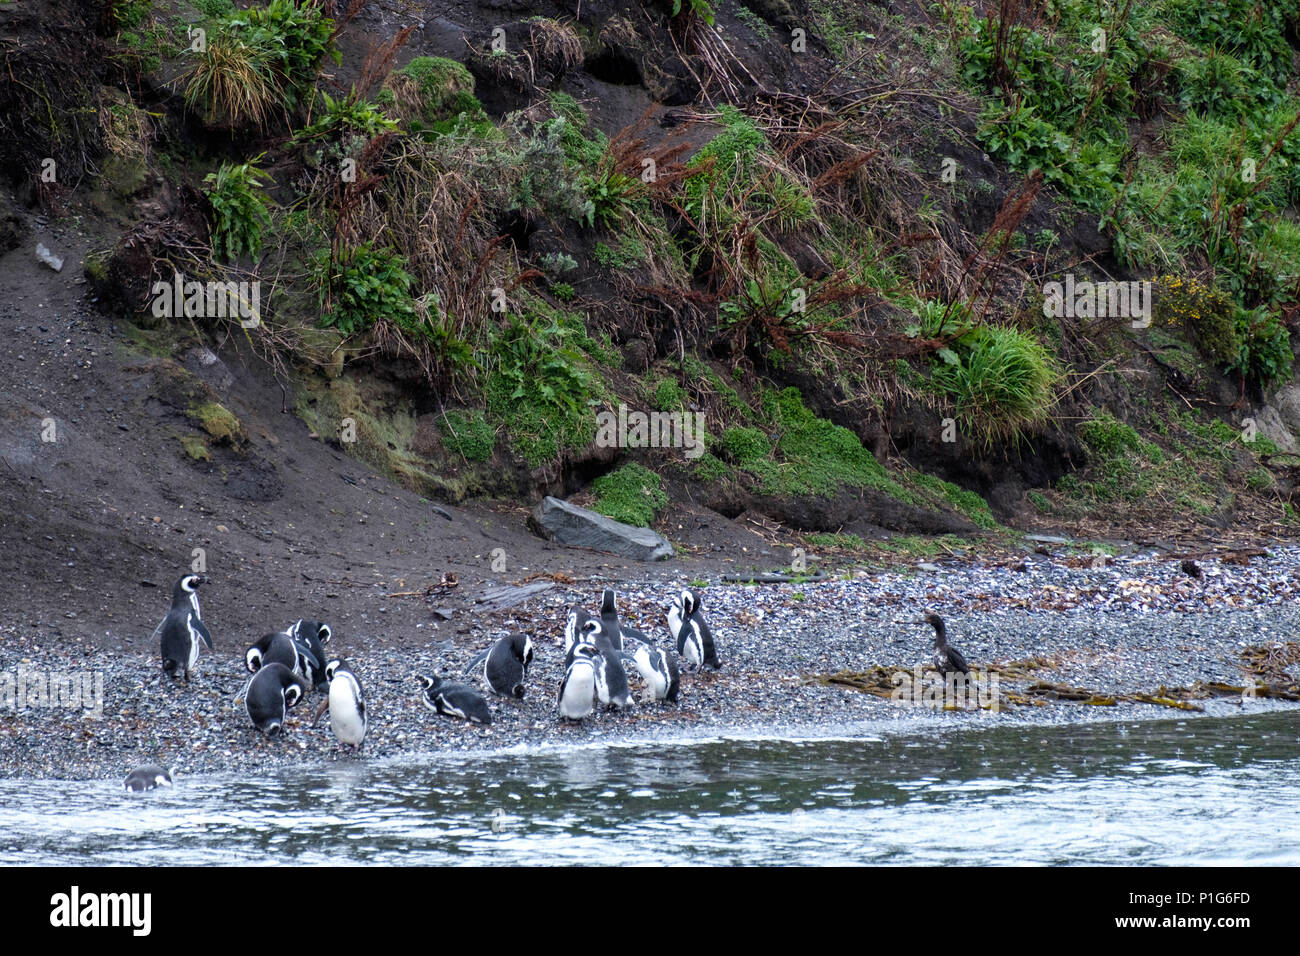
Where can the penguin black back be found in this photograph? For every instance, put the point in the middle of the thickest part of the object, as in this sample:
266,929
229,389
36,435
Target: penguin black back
454,700
270,694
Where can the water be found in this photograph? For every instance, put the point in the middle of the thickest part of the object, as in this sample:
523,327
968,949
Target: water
1202,791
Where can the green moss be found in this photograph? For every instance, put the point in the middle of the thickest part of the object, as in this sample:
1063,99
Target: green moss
667,395
438,80
842,541
219,422
748,446
1039,501
632,495
708,467
195,448
468,434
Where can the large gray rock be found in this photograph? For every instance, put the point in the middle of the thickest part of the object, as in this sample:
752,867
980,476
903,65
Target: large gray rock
577,527
1287,403
1270,424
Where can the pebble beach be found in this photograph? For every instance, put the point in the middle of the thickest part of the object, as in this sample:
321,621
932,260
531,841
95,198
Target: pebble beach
1132,624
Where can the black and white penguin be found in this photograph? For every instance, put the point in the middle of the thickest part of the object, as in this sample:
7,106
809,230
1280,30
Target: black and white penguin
579,685
609,619
611,677
658,668
269,695
182,630
947,659
346,704
455,700
147,777
310,638
276,648
579,628
691,634
505,665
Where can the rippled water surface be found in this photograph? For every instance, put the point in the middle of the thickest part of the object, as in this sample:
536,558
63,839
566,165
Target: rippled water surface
1208,790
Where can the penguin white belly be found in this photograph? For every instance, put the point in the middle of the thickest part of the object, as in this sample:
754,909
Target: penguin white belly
674,621
194,643
347,723
575,703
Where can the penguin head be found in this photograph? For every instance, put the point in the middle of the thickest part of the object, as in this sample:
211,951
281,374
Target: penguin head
253,659
517,692
292,694
186,585
689,602
272,729
428,683
607,601
191,582
333,667
324,633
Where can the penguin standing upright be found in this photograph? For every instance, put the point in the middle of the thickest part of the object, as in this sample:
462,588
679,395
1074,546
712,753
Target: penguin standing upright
579,684
346,704
505,665
658,668
182,629
269,695
691,634
454,700
611,677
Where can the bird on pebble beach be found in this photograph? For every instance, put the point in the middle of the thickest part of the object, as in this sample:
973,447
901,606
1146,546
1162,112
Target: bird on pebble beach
578,688
690,633
947,659
346,704
657,667
454,700
147,778
505,665
269,695
274,648
182,629
309,640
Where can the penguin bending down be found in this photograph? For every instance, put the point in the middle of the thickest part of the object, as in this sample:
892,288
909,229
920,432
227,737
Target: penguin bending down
269,695
309,639
691,634
579,685
277,648
147,777
345,703
181,630
657,668
454,700
505,665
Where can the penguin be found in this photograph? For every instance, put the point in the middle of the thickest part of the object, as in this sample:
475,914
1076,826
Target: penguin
609,619
611,677
346,704
276,648
270,694
505,665
182,629
690,632
146,778
310,638
579,685
455,700
657,668
947,660
579,628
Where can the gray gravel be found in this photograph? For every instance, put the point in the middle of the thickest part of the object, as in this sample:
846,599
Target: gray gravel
1132,625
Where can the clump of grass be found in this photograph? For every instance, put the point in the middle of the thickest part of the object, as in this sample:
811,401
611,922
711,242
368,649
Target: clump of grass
632,495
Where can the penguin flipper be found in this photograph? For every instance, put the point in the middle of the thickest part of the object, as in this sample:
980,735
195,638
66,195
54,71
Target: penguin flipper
477,661
203,632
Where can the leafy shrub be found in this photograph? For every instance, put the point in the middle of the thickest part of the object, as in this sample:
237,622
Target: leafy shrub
1205,314
239,209
347,113
1265,354
363,285
259,59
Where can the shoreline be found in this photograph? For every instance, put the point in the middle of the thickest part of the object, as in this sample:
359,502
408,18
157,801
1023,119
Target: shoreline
1133,625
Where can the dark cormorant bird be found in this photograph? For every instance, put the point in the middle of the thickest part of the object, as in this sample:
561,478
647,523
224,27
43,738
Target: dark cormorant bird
947,659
